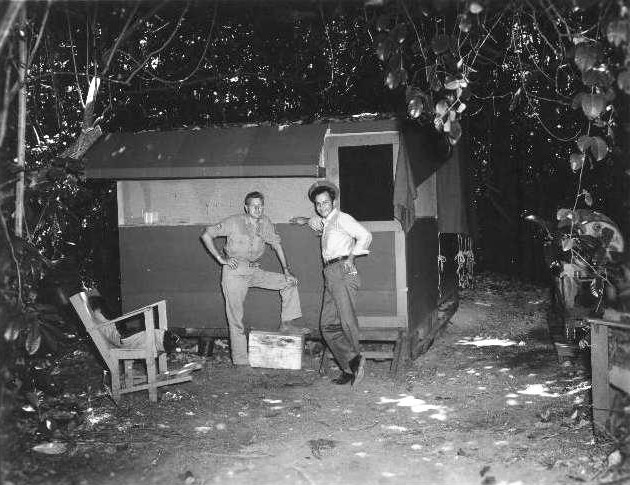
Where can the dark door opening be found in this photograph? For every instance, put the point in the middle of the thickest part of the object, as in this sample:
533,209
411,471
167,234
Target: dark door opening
366,182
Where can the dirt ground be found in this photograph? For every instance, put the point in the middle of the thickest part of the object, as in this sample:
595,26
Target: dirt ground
489,403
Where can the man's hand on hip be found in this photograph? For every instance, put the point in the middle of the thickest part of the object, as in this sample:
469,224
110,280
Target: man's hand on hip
349,266
290,278
231,262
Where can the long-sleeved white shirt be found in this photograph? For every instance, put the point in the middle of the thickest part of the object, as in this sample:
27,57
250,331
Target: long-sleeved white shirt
342,235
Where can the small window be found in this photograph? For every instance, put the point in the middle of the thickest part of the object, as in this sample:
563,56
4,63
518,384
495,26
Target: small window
366,182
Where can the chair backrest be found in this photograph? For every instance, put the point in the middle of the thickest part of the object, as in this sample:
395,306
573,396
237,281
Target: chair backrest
81,306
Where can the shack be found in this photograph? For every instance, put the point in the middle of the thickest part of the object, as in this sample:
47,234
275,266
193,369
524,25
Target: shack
392,175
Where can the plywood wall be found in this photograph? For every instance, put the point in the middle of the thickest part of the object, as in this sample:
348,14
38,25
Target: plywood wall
203,201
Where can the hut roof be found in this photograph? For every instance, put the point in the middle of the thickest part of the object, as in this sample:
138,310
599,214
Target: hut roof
236,151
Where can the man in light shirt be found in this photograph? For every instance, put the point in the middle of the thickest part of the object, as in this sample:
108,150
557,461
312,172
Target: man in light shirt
246,236
342,240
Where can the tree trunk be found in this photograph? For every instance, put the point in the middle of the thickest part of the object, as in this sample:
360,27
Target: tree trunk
6,23
21,132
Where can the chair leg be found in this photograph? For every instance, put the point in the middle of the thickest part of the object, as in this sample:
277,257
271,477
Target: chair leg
399,353
116,381
128,379
151,379
162,363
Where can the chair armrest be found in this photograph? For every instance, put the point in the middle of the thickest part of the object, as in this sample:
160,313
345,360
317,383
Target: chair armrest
139,311
608,323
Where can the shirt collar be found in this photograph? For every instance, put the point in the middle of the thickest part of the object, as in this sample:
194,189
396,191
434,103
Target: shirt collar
332,214
250,220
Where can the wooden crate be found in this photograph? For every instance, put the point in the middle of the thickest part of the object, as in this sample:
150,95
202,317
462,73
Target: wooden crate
274,350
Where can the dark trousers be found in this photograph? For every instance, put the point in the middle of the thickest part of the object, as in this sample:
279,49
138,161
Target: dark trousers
338,323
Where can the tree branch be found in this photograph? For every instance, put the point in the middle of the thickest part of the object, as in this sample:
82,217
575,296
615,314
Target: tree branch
161,48
39,36
7,236
8,20
123,33
127,31
74,61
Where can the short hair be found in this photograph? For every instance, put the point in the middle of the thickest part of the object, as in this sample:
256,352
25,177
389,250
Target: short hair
254,195
320,190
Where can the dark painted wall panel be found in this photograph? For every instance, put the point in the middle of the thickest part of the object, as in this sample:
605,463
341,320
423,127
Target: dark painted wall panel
170,262
448,281
422,276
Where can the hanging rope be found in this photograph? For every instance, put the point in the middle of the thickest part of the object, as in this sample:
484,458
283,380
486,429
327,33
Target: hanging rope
460,260
441,260
465,260
470,262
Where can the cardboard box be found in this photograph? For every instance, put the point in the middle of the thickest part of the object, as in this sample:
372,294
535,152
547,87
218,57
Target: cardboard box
274,350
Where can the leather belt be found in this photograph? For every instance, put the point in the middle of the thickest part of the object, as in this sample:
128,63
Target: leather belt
335,260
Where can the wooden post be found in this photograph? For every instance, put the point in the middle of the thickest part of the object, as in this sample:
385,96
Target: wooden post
599,369
21,131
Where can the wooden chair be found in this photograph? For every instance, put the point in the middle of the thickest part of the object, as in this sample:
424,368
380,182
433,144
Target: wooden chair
157,374
604,372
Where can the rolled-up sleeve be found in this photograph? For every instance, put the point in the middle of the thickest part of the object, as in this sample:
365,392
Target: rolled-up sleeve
316,223
363,237
222,228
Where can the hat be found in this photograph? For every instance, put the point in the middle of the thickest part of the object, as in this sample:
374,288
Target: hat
322,183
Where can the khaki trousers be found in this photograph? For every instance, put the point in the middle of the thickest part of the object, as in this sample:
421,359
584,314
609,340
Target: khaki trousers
235,284
338,323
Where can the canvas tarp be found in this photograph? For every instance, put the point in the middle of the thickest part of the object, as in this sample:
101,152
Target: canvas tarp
423,155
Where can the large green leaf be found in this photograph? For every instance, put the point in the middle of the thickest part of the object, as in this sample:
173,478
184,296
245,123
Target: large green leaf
384,49
597,77
593,105
415,107
475,8
583,142
577,161
11,332
455,133
623,81
586,55
33,339
618,32
441,107
598,147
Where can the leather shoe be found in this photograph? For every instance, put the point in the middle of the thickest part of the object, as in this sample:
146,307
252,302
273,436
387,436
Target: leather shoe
343,378
357,366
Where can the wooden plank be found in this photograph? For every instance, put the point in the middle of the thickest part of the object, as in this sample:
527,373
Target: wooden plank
620,378
607,323
400,251
206,201
599,366
275,350
378,355
159,383
381,322
379,334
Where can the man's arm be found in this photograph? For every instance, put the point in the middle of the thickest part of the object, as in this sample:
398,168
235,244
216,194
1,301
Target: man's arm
208,241
316,223
272,238
286,269
362,237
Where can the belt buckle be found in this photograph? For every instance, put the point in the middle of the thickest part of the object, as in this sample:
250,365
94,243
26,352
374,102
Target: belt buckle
336,260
